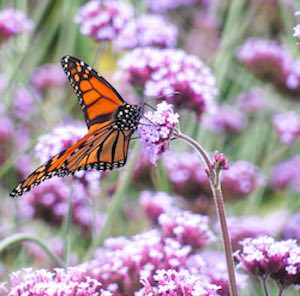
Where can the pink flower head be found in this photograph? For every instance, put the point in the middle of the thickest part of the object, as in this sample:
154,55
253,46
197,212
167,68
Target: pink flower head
166,5
156,130
286,175
49,202
122,262
172,75
69,282
266,59
174,283
25,103
13,22
263,257
252,100
220,161
48,75
241,179
296,30
155,203
248,227
287,126
187,228
226,119
147,31
103,20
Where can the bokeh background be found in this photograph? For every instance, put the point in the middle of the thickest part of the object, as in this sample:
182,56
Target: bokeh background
232,71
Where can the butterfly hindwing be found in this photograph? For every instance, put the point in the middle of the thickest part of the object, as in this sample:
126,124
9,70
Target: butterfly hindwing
103,150
97,97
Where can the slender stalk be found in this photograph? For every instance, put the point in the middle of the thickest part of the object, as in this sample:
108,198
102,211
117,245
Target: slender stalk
19,237
265,287
66,227
215,187
280,290
115,203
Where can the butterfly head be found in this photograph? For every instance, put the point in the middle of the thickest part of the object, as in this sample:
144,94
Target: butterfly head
127,117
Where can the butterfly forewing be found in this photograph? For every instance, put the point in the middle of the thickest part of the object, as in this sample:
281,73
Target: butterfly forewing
97,97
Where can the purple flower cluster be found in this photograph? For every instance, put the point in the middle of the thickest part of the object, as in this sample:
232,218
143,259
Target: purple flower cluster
296,29
103,20
226,119
252,100
286,174
121,264
269,60
147,31
165,5
13,22
291,229
186,228
57,140
174,283
287,125
264,257
69,282
189,179
172,75
155,203
156,130
49,202
24,105
249,227
48,75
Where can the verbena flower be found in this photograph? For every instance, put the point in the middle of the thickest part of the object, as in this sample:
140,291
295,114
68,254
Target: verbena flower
48,75
156,130
189,179
252,100
147,31
226,119
13,22
25,103
296,29
176,283
187,228
49,202
172,75
165,5
70,282
287,125
249,227
264,257
122,262
291,229
268,60
103,20
203,38
211,265
286,174
155,203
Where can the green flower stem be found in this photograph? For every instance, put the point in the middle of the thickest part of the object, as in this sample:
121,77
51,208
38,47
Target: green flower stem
66,227
215,186
265,287
19,237
116,202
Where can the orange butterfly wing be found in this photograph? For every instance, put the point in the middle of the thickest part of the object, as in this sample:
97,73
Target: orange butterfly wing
97,97
105,149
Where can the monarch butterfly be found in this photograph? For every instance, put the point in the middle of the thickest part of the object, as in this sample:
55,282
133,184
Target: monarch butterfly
111,122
